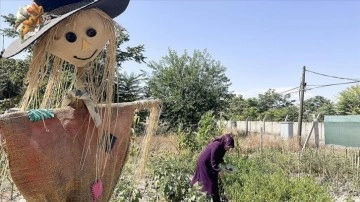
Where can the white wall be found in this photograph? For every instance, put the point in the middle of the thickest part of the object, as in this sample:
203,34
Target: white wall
274,128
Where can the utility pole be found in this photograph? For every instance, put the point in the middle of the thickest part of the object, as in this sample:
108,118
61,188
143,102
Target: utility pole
301,110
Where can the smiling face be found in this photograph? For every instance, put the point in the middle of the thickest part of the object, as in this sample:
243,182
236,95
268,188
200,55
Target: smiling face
79,39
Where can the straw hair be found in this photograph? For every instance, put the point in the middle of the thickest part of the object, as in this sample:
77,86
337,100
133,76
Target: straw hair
46,67
155,110
4,164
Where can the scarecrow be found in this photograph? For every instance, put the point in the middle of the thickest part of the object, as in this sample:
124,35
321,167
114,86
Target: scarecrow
69,141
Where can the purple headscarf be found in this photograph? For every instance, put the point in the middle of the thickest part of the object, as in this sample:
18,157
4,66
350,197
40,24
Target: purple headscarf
226,140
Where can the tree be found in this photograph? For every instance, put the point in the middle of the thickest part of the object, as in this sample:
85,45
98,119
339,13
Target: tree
135,53
314,103
242,109
128,87
189,86
280,114
236,107
274,105
318,105
10,32
11,82
270,99
251,109
349,101
326,109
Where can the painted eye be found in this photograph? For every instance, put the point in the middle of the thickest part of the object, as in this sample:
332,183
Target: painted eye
91,32
71,37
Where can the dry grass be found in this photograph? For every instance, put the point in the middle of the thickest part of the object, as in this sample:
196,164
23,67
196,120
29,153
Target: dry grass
160,143
247,144
252,143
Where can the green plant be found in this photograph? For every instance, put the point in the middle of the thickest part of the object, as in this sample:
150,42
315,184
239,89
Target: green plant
126,190
186,140
307,189
170,178
267,177
207,129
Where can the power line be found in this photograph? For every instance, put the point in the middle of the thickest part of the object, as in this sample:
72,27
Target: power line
285,92
293,92
333,84
296,89
336,77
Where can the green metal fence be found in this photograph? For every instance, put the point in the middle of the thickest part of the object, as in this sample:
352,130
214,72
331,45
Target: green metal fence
342,130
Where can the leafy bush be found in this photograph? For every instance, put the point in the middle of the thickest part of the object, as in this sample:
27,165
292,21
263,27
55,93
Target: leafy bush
187,141
171,175
207,129
126,190
262,178
307,189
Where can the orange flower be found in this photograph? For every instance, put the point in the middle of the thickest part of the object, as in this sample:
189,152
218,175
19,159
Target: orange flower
34,20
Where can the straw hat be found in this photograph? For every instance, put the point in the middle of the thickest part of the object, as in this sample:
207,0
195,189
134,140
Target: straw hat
35,20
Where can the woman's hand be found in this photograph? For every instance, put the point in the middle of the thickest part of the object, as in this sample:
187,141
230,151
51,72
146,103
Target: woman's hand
221,174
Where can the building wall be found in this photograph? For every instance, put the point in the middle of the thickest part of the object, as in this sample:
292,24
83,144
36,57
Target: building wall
274,128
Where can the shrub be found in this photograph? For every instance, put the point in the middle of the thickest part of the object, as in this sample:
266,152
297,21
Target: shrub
207,129
262,178
170,176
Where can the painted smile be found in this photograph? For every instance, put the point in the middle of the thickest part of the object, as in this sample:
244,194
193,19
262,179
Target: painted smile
76,57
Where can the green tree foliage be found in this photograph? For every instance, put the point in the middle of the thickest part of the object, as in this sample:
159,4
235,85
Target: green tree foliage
327,109
10,32
318,105
274,105
208,129
349,101
270,99
11,82
189,86
236,109
280,114
128,87
135,53
314,103
251,109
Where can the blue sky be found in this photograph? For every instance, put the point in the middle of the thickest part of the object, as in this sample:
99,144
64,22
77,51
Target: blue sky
263,44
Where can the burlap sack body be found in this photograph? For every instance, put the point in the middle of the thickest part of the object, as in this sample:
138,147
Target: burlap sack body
55,159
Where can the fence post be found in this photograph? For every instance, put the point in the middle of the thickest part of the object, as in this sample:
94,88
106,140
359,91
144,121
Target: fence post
262,133
316,132
247,127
